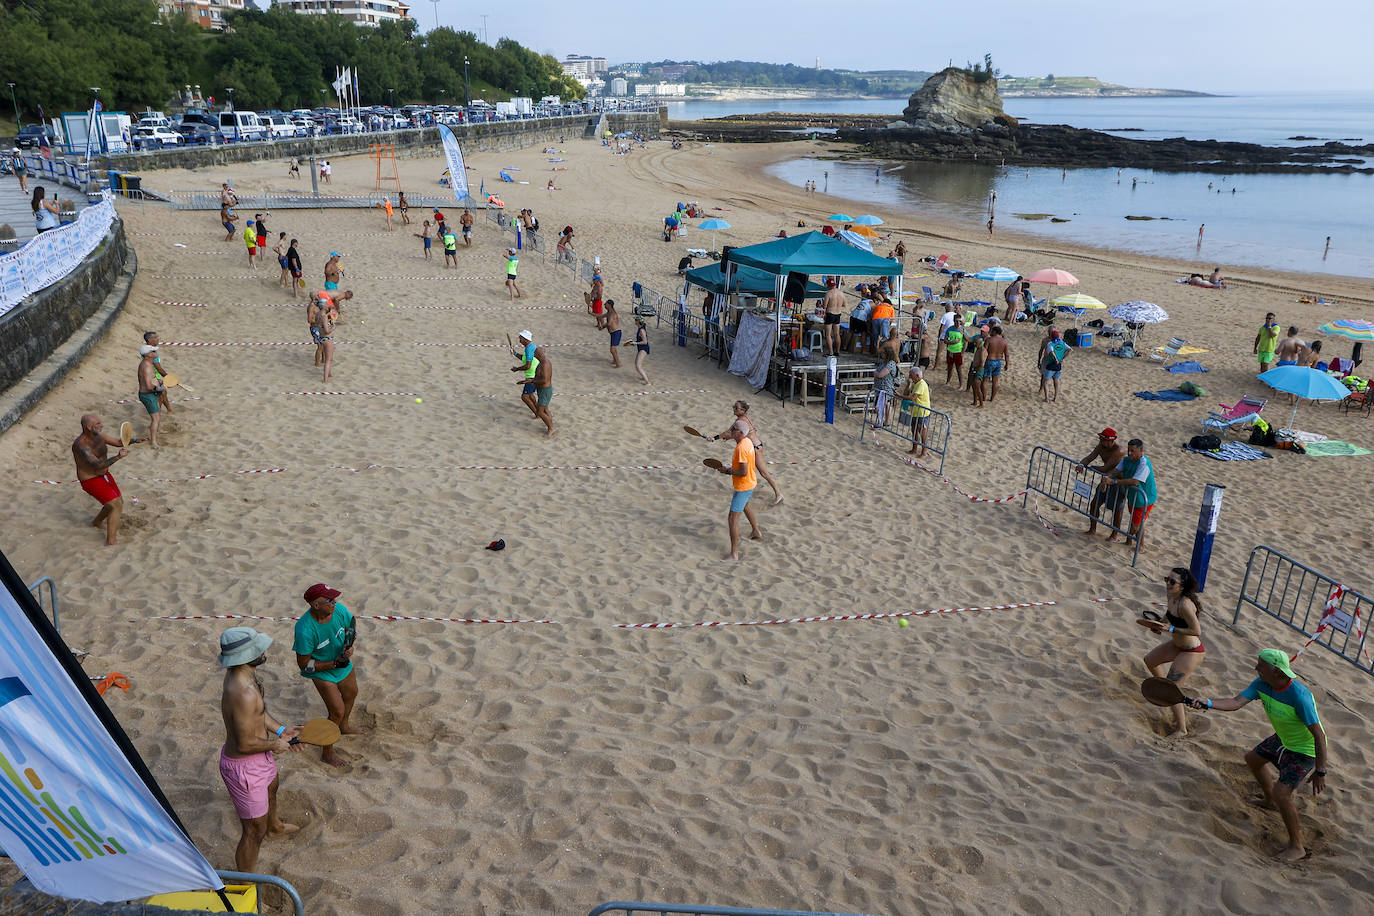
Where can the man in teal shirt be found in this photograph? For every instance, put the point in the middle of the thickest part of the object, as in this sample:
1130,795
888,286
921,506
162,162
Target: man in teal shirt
324,653
1297,747
1136,475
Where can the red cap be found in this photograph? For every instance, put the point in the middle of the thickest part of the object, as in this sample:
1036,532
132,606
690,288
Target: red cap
1108,433
320,590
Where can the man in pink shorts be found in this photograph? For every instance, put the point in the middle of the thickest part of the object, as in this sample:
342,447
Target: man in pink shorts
246,762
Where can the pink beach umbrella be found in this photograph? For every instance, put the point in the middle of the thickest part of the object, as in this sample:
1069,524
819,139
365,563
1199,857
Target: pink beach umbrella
1053,276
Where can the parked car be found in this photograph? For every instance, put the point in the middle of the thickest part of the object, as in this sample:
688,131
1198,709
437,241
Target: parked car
200,133
155,138
280,126
30,136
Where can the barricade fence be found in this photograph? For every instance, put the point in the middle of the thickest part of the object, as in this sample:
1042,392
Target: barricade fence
44,591
49,256
901,423
1313,603
1065,481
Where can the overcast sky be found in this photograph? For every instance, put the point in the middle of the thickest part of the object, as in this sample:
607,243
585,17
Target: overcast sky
1216,45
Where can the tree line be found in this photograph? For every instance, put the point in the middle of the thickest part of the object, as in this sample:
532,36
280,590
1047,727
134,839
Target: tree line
757,73
55,51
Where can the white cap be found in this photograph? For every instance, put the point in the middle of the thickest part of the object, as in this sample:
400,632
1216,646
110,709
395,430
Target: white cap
526,335
146,349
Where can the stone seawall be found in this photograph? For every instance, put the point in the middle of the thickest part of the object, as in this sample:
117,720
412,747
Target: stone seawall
493,136
43,338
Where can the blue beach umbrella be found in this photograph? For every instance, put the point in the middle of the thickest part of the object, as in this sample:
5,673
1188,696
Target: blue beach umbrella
711,225
1304,383
840,218
996,275
867,220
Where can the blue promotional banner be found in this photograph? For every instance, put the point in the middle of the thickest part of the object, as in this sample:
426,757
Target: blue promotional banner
457,175
80,813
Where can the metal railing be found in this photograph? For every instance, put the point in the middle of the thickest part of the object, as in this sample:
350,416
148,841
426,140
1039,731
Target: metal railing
1297,595
51,607
900,424
687,909
296,905
1065,481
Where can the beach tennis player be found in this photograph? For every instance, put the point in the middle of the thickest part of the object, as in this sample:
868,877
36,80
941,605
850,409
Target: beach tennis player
91,451
1296,749
1183,651
251,738
324,654
744,480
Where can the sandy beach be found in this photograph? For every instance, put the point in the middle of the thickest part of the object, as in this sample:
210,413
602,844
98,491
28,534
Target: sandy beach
996,761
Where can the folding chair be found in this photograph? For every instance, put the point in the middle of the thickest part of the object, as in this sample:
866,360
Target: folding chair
1170,351
1240,414
928,293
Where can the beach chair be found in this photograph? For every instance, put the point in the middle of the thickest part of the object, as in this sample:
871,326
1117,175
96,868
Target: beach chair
971,318
1359,401
1238,415
928,293
940,262
1340,367
1170,350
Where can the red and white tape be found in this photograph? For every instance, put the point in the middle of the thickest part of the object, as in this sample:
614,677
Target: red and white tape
385,618
611,394
361,394
237,343
176,479
825,618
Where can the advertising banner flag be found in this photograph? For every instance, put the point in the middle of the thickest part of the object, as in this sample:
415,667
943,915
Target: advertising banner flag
80,813
457,174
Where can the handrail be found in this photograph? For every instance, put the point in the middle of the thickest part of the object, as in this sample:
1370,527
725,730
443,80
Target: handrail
267,879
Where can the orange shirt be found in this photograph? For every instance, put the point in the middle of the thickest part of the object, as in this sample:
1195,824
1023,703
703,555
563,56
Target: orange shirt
744,454
883,310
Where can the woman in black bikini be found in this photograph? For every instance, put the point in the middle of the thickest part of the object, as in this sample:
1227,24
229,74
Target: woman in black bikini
1184,650
741,410
641,348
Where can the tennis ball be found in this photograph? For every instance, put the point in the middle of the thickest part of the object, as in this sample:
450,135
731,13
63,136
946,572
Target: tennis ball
419,400
391,305
901,622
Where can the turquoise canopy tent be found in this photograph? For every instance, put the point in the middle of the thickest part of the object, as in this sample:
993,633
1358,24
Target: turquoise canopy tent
743,280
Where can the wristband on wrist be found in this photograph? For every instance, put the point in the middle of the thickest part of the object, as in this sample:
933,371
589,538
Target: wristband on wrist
1319,772
1171,628
280,730
1209,704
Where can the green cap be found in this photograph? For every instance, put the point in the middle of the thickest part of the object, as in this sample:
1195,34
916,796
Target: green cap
1278,658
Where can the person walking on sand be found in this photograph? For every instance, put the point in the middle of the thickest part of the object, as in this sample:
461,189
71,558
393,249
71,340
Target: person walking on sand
386,203
279,250
1267,342
333,271
293,264
294,169
1052,354
250,240
252,738
150,390
743,480
613,328
90,450
466,222
593,299
324,653
1297,747
324,337
512,268
528,354
260,227
741,413
450,244
977,369
543,389
404,206
226,219
426,235
1183,650
998,361
955,341
641,344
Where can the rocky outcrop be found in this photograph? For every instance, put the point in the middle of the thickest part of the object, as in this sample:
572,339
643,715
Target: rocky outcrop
953,100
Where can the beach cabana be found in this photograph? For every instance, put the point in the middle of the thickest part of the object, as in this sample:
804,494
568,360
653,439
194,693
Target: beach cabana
746,280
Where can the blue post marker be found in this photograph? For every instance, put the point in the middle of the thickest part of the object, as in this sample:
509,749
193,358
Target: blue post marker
1206,530
832,371
682,321
519,246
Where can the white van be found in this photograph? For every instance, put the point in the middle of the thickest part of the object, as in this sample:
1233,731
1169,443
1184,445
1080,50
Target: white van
280,126
241,125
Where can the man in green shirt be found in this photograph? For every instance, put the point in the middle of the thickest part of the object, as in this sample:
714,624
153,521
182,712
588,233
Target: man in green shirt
1266,342
324,653
1297,747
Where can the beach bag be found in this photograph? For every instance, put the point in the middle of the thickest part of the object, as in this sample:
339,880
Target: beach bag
1207,443
801,354
1194,389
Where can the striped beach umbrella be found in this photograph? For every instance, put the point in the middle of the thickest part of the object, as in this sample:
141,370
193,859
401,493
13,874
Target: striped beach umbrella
1077,301
1362,332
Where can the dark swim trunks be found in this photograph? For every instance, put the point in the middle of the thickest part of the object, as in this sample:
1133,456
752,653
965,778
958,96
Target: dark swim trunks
615,338
1293,767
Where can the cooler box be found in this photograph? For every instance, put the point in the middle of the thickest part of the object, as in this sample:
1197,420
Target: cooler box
1085,339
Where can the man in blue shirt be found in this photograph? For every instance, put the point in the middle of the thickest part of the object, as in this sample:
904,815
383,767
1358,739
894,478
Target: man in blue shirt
1297,747
324,654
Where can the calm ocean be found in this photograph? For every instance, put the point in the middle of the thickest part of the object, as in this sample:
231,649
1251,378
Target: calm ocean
1270,220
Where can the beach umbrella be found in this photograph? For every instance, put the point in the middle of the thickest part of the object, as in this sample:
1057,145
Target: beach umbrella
1303,382
858,241
865,231
1077,301
1053,276
996,275
867,220
840,218
1139,312
1362,332
711,225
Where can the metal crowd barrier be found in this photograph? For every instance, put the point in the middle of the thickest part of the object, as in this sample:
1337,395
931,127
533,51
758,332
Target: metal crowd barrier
937,426
51,606
687,909
1063,480
1297,595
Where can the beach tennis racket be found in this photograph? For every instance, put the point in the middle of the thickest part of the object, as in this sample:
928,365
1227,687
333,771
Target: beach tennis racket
713,463
170,380
185,387
319,732
126,433
1150,620
1162,691
693,432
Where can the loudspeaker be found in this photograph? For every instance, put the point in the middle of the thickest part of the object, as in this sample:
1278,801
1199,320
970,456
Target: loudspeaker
725,251
795,290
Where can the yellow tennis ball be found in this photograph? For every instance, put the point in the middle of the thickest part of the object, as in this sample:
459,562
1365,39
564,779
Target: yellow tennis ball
902,622
391,305
419,400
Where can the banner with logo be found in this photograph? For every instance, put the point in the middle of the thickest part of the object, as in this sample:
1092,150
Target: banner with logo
50,256
80,813
457,174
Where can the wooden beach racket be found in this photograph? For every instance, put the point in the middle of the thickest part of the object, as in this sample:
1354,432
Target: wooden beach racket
185,387
126,433
691,431
1150,620
319,732
171,380
713,463
1162,691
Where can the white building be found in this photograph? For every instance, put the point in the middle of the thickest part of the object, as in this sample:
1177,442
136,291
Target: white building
363,12
619,86
208,14
661,90
584,66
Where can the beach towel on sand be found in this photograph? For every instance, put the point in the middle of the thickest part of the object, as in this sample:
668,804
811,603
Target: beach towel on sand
1232,451
1166,395
1191,365
1334,448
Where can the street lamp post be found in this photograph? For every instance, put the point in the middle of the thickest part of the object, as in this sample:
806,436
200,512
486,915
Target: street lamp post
231,113
90,127
17,122
436,13
467,87
393,98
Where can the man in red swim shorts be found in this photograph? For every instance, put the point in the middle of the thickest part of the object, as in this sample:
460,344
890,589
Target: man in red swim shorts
594,301
91,451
